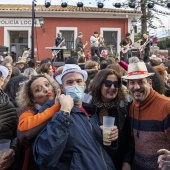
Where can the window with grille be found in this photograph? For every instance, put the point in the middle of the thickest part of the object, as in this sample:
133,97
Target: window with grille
110,38
69,38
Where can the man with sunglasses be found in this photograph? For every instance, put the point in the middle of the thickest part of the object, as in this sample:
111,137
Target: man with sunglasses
150,117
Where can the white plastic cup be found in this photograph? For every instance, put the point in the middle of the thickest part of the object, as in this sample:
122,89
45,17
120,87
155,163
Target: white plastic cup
4,147
108,123
164,163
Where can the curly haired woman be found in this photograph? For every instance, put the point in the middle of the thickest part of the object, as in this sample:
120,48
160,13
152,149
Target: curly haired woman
32,95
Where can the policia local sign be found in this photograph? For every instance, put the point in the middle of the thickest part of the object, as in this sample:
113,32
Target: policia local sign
17,22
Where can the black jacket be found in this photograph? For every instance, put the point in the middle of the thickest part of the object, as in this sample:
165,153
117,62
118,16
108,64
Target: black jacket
126,41
79,44
8,123
58,41
125,143
72,142
147,47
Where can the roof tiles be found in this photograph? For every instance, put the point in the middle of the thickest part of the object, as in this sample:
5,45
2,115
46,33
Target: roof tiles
15,7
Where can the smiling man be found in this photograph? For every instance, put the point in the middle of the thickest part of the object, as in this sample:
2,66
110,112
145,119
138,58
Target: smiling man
150,117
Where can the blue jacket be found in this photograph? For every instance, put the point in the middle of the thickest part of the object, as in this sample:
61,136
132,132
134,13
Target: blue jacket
72,142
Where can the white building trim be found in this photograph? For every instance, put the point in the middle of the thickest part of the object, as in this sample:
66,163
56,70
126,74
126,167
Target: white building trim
118,30
58,29
70,14
7,34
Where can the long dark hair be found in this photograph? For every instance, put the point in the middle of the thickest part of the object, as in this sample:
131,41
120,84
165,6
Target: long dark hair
96,84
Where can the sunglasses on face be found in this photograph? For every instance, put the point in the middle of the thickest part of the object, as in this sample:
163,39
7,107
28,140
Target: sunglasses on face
108,83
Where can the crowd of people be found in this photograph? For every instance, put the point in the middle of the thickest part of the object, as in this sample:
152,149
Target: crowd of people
54,116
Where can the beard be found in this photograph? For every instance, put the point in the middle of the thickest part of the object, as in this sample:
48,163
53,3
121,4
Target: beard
138,95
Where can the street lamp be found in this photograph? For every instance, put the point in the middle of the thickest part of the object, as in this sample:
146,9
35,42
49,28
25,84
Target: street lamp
41,21
32,30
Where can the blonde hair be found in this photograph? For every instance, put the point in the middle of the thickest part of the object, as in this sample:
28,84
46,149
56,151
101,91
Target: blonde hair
25,96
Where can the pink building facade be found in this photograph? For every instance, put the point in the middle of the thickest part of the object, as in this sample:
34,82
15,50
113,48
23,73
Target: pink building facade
15,27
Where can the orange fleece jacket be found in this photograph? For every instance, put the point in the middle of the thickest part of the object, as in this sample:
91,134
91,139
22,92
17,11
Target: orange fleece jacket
28,119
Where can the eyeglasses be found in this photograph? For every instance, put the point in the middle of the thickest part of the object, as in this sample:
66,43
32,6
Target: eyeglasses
108,83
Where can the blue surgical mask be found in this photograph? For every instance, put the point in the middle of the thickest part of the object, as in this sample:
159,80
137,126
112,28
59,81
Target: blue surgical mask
76,92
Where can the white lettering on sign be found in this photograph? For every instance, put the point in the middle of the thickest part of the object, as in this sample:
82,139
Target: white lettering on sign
18,22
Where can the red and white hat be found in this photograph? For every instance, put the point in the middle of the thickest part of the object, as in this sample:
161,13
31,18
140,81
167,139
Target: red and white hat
137,71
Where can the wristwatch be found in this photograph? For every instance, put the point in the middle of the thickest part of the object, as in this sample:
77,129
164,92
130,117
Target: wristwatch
67,113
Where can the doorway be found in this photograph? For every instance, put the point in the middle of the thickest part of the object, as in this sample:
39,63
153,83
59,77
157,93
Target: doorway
18,43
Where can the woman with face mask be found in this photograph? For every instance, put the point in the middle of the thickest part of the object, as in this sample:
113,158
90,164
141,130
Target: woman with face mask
107,94
31,97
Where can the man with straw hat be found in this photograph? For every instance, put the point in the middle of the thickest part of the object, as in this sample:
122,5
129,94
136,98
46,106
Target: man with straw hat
150,118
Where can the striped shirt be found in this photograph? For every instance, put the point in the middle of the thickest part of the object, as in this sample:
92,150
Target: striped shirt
150,122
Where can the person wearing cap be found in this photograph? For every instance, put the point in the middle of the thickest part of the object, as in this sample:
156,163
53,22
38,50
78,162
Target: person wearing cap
21,65
59,42
80,46
125,48
150,116
73,138
94,44
8,125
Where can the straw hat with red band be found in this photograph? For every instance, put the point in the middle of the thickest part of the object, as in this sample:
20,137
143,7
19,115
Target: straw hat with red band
137,71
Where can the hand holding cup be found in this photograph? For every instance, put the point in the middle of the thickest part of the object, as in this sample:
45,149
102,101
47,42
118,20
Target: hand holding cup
113,134
110,132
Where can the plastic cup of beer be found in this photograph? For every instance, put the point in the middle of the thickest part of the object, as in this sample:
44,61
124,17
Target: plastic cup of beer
4,147
108,123
164,162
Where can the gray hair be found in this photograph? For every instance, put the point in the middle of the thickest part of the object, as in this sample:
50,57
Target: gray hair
29,72
59,33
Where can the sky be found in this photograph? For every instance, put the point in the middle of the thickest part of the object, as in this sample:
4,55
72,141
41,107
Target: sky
160,32
107,3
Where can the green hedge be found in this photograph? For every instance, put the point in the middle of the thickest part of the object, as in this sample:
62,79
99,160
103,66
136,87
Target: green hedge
164,44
